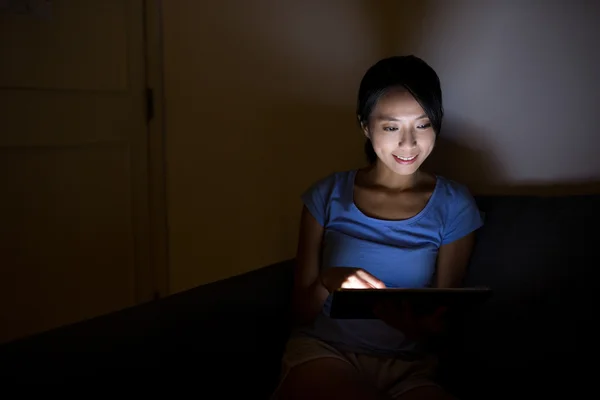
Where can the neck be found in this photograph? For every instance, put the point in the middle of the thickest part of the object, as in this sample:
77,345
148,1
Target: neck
383,176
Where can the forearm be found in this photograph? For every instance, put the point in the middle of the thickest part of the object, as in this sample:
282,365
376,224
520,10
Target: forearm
308,302
452,262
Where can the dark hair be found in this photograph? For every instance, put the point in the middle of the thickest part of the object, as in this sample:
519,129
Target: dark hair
410,72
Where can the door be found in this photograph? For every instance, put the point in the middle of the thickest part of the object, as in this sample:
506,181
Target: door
75,188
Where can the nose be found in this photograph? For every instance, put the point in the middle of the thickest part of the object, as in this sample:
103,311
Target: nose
407,139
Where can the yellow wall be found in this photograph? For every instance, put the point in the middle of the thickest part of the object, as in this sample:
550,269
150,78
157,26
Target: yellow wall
260,101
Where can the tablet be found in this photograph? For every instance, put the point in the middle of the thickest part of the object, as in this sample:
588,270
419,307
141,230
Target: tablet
360,303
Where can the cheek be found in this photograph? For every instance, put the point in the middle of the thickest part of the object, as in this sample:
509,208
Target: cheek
427,142
383,141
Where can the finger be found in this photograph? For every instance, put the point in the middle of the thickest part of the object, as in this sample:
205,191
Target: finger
354,282
370,279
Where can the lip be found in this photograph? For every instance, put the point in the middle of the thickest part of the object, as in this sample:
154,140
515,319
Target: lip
405,162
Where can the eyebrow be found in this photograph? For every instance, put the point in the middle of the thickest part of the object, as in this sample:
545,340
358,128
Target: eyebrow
390,118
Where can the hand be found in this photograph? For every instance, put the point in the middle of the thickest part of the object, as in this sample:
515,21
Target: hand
334,278
413,326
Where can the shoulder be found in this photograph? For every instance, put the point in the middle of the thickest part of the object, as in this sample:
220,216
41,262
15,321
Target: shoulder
330,183
452,190
454,196
317,198
460,213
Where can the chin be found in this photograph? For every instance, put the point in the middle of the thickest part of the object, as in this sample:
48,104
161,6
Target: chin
403,169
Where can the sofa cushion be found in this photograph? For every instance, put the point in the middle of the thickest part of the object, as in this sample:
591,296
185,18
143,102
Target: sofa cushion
538,254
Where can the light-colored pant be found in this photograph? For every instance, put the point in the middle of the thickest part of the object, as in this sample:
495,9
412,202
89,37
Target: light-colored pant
390,375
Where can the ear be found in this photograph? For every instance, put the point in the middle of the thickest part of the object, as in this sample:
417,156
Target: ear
365,129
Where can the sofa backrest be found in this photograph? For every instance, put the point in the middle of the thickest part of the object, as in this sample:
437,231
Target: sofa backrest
539,255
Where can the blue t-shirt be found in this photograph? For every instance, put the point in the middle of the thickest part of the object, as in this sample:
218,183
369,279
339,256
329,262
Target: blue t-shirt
400,253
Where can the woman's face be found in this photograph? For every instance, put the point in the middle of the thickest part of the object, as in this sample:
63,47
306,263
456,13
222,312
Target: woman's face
400,131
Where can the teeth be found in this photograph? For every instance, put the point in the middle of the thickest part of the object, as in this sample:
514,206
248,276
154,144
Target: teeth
406,158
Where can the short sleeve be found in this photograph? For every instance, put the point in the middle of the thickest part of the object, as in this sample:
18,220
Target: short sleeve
316,199
463,215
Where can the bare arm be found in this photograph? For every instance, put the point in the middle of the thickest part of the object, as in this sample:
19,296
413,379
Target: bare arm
309,294
452,262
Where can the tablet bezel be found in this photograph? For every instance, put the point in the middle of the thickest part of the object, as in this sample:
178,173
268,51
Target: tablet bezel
359,303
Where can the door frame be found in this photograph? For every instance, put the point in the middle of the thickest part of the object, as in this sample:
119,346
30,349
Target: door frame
158,235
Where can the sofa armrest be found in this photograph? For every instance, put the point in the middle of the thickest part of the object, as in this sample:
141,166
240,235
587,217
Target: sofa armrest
238,323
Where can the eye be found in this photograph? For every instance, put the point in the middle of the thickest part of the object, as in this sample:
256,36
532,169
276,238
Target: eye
424,126
390,128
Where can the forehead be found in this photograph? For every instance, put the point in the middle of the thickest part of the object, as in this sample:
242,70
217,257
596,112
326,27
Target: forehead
397,103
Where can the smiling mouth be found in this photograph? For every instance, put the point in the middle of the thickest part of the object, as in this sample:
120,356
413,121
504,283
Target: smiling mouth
405,158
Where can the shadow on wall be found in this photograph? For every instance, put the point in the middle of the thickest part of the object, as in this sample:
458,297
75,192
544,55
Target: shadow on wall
315,141
533,88
398,24
473,163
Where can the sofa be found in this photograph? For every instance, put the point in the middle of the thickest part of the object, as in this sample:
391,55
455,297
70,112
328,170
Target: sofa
533,338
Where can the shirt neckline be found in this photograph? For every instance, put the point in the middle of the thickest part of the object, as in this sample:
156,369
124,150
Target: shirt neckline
350,197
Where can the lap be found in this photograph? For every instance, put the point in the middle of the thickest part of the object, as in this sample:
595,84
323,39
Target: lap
313,369
326,378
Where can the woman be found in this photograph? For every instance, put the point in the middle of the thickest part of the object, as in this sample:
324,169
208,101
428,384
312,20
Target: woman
388,224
